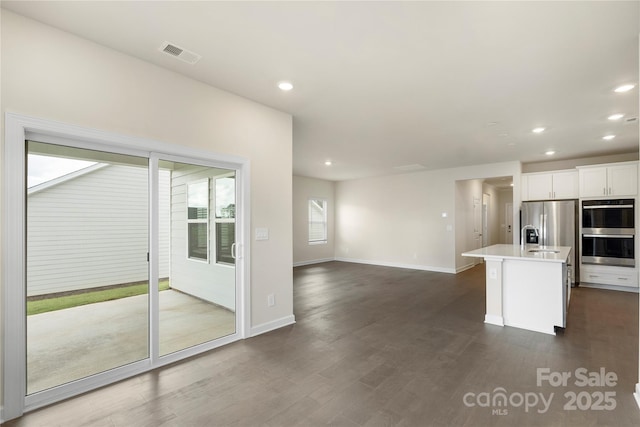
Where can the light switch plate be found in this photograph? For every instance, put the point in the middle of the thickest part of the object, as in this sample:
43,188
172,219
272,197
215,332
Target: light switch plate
262,234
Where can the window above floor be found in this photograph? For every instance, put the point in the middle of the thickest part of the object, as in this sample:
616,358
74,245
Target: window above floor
317,221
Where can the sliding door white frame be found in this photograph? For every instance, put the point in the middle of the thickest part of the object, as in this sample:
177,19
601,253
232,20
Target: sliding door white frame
18,128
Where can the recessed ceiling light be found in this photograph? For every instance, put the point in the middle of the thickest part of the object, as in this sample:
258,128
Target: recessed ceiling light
328,163
286,86
538,130
615,116
608,137
624,88
550,153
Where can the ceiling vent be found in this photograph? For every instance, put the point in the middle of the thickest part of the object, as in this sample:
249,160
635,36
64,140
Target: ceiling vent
410,168
180,53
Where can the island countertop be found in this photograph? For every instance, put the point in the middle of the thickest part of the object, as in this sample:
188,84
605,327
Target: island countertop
528,253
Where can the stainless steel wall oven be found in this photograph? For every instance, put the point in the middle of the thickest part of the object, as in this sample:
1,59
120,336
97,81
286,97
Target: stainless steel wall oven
608,232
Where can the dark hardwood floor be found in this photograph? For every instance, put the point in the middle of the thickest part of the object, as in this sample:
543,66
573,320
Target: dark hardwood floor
378,346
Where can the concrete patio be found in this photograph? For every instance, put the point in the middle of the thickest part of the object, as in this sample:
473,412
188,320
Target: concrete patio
70,344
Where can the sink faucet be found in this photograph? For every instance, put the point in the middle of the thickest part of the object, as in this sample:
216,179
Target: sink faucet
527,227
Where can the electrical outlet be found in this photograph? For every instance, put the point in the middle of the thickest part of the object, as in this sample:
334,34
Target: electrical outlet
493,273
271,300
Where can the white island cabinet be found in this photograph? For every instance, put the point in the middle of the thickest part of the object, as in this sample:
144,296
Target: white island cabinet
527,287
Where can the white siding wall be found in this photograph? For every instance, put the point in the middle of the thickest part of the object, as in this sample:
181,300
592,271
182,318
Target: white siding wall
206,280
91,231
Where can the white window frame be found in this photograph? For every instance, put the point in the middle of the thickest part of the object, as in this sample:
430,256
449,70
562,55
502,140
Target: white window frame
17,129
324,221
217,220
205,221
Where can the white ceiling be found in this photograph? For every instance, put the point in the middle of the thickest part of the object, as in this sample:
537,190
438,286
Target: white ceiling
381,85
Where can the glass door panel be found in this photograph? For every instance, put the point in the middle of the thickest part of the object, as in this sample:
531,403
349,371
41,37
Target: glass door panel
87,268
197,286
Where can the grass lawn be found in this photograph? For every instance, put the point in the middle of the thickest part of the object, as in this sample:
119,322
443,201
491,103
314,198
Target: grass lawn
60,303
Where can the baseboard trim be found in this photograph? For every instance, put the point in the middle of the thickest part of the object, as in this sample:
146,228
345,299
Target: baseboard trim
634,290
637,394
398,265
274,324
465,268
313,261
492,319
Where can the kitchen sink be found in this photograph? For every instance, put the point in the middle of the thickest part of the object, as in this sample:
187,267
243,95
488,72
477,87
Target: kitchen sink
544,251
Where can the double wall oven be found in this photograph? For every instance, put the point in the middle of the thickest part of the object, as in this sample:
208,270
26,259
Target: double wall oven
608,232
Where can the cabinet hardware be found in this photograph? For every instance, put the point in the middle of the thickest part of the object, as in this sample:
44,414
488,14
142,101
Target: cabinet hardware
615,236
610,192
622,278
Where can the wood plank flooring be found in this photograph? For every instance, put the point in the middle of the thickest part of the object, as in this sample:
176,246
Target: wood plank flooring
379,346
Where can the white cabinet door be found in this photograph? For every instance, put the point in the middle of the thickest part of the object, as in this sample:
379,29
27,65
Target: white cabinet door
540,186
623,180
593,182
608,275
565,185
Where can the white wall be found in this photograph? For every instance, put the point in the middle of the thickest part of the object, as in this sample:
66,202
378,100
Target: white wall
504,197
397,220
91,231
305,188
493,213
468,220
55,75
557,165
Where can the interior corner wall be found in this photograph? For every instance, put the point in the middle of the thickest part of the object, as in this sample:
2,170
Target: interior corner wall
305,188
493,213
55,75
468,228
504,196
398,220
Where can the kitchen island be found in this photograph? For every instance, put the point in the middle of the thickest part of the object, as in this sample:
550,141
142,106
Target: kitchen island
527,287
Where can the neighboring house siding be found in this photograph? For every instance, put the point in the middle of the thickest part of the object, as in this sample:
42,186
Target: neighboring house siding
92,231
206,280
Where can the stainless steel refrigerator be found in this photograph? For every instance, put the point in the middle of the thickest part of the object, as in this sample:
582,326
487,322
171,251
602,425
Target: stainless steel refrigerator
557,225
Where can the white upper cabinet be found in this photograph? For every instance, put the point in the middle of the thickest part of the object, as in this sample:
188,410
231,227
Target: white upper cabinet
550,185
565,185
610,180
623,180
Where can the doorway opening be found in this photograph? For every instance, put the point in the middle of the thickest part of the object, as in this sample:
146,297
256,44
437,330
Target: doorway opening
481,218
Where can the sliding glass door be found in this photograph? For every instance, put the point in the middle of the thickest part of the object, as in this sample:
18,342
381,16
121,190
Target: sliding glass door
197,274
124,260
87,305
126,254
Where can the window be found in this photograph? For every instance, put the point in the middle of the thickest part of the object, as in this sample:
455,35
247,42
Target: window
225,219
198,220
317,221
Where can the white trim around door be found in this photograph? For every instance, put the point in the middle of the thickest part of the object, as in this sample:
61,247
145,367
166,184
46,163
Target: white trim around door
18,128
